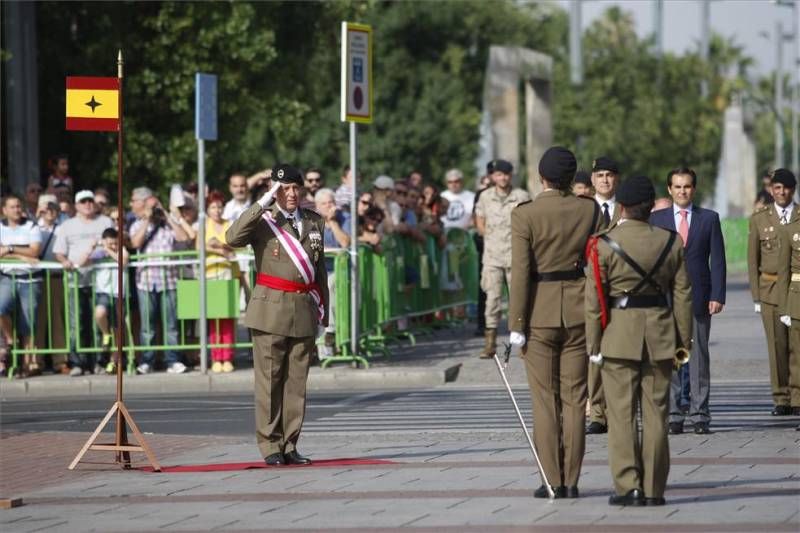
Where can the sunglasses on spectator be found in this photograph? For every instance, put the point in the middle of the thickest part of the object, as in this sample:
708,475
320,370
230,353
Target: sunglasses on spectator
401,192
86,200
365,202
314,180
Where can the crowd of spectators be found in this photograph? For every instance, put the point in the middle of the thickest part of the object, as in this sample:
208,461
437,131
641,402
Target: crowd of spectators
63,225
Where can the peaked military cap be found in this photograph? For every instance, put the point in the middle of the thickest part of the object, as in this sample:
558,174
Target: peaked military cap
287,174
605,163
499,165
784,177
636,190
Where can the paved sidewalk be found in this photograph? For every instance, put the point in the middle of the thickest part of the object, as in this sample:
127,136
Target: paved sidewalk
727,481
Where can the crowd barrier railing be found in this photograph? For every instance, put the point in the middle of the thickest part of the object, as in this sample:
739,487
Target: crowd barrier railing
401,291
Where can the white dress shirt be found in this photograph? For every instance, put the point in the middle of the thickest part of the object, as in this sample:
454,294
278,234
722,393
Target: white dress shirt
676,211
784,211
296,215
612,202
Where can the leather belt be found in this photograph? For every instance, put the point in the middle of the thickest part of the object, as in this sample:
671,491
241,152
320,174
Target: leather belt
769,277
560,275
639,301
795,277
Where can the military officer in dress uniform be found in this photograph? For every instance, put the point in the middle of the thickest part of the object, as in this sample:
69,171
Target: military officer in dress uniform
546,312
287,309
493,222
763,245
638,313
605,179
787,288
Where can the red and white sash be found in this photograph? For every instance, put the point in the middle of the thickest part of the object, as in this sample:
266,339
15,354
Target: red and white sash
299,257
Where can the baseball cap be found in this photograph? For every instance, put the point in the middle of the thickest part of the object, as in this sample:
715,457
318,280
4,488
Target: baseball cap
83,195
383,182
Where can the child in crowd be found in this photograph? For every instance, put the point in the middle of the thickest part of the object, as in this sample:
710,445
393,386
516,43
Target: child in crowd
220,330
106,288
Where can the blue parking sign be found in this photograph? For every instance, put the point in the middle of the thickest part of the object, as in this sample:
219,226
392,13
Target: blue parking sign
205,117
358,70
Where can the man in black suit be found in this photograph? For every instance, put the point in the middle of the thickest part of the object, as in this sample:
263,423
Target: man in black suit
705,261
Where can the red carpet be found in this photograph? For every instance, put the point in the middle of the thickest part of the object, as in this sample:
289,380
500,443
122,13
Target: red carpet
228,467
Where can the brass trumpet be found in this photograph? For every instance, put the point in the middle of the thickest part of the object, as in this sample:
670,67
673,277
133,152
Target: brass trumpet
681,358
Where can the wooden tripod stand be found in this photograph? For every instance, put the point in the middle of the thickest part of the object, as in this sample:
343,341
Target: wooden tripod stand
121,446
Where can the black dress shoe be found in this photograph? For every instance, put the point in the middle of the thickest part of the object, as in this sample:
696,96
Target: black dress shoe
654,502
558,492
596,428
633,498
572,492
675,428
294,458
701,428
274,459
782,410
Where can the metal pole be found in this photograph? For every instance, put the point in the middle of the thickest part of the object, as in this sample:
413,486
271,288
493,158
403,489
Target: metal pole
120,432
201,239
778,95
353,243
575,52
659,27
705,38
795,88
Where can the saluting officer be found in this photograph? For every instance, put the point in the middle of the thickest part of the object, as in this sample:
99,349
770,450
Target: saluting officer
287,309
548,237
787,371
637,298
605,179
763,243
493,222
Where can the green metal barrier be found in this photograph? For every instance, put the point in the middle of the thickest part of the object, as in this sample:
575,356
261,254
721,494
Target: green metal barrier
734,231
408,280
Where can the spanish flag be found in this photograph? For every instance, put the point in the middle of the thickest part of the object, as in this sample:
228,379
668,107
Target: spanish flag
92,103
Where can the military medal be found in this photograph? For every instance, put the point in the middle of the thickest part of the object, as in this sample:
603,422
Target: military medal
316,243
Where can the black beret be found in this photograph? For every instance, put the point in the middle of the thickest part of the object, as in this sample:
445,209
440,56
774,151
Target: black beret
605,163
784,177
583,177
499,165
636,190
558,165
287,174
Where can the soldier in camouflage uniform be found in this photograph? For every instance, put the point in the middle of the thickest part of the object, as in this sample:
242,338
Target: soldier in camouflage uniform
493,221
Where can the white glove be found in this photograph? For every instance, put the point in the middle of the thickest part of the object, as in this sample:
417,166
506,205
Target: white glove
757,307
268,196
320,331
516,339
787,320
596,359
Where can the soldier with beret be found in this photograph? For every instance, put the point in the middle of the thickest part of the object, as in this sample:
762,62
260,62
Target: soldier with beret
582,184
546,319
638,313
605,178
493,222
288,308
775,230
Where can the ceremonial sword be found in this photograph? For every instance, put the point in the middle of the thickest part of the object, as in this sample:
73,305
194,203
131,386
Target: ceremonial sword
501,366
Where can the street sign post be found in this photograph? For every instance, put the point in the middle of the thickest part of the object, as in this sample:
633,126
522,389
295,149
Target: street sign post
356,106
205,128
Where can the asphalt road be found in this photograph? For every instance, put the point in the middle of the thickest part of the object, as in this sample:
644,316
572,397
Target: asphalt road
446,409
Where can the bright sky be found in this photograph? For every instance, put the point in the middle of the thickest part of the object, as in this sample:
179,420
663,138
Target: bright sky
751,22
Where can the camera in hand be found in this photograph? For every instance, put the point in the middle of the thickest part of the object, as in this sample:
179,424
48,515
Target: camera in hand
158,217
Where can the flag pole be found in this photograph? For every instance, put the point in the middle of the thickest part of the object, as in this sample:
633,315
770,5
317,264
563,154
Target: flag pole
121,446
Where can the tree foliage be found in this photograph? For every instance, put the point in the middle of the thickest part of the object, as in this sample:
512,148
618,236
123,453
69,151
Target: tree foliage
278,66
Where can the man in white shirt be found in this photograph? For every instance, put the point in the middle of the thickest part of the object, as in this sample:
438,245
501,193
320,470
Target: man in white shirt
237,185
605,179
460,202
20,287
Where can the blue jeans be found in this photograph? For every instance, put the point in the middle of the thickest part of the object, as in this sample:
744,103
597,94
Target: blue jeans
20,299
155,307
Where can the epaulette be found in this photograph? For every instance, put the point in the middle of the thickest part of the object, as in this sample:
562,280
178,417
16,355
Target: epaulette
309,211
761,209
522,203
